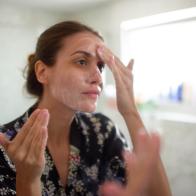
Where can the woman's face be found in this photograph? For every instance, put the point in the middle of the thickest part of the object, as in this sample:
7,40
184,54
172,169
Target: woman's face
75,80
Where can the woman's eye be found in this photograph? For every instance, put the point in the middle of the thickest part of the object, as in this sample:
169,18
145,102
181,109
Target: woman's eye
82,62
101,66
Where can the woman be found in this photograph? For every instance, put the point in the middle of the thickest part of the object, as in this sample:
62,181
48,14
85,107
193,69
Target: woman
59,146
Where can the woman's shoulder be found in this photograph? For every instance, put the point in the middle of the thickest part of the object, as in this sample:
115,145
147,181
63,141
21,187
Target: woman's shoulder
11,128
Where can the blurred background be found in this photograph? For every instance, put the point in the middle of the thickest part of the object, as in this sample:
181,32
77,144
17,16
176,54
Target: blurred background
158,34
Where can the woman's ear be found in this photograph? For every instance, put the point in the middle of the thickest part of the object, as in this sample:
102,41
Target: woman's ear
41,72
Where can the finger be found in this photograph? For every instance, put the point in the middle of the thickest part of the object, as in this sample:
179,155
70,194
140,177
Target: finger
115,65
111,189
142,142
117,73
125,82
26,127
4,141
37,147
130,64
130,162
22,145
108,53
120,65
39,143
108,57
20,137
40,122
147,150
155,144
44,140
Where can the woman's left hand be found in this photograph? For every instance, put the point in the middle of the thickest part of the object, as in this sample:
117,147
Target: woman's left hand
123,78
140,165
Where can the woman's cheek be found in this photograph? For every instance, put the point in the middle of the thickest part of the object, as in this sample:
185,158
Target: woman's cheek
67,91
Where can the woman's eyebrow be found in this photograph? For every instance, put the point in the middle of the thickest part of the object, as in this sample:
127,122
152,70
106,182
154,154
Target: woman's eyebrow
88,54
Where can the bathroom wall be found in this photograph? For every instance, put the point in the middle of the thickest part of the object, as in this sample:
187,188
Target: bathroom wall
19,29
178,136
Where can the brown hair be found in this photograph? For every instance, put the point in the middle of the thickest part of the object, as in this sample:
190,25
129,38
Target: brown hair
48,44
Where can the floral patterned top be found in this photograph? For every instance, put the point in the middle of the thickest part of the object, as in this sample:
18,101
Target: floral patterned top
95,156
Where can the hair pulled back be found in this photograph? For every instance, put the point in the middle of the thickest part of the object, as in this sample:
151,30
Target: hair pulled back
48,44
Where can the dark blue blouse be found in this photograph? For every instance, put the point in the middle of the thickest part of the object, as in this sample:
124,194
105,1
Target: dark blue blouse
95,156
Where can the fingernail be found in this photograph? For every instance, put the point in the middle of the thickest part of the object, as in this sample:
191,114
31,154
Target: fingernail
142,131
100,49
126,155
45,111
112,59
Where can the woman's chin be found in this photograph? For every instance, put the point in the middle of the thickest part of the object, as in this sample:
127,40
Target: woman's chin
88,109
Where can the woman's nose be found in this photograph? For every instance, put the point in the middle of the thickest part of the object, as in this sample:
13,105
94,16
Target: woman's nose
95,76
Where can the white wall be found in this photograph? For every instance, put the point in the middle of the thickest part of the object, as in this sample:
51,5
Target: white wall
107,18
19,29
178,139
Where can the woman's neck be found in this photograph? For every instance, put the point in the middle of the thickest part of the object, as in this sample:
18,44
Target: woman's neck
59,122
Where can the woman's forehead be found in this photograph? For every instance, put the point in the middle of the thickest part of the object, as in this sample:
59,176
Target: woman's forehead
82,41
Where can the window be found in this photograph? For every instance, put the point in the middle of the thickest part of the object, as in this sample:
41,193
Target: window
164,49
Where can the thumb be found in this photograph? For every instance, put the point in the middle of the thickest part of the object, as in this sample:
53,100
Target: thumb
130,162
111,188
130,64
4,141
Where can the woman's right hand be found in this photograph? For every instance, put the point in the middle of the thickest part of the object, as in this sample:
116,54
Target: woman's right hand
27,149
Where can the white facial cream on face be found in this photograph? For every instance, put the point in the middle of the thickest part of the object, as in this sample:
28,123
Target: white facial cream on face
69,93
68,83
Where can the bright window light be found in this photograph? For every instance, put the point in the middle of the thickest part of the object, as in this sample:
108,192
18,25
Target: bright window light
164,49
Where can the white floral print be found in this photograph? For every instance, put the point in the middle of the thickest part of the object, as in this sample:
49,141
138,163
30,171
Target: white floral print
95,156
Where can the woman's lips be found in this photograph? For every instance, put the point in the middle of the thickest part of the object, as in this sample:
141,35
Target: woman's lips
92,94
